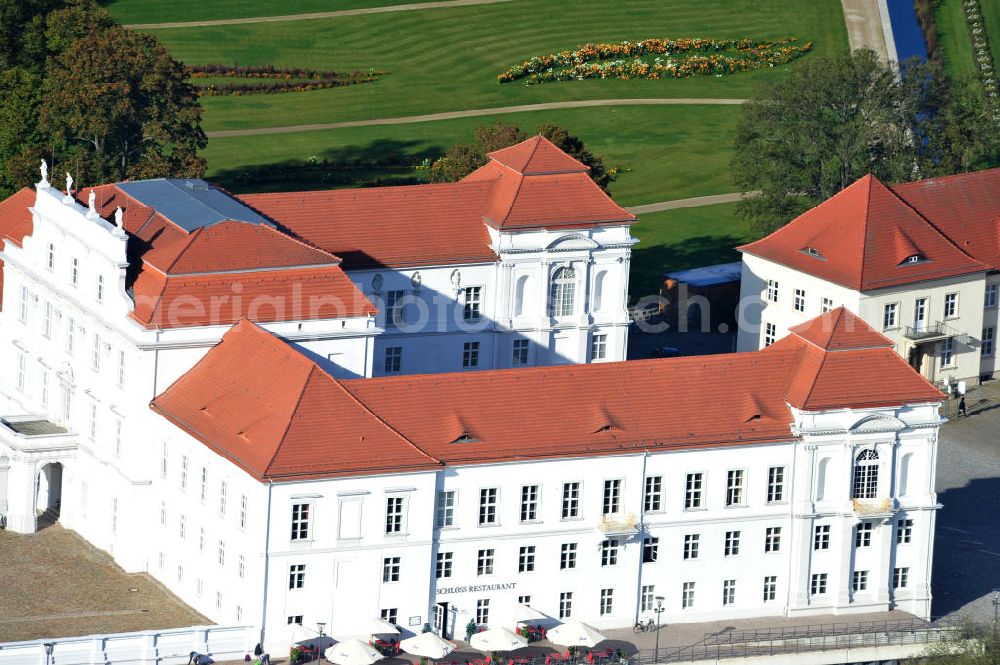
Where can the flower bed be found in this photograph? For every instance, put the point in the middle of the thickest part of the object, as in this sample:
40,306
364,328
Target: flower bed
656,59
274,79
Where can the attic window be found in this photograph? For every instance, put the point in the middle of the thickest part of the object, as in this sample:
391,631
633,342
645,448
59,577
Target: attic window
812,251
752,418
465,437
915,258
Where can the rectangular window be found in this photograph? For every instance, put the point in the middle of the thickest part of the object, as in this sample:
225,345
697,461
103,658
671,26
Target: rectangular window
650,549
526,559
44,386
100,288
394,306
900,578
732,543
390,569
222,553
687,595
598,347
473,298
295,619
734,487
728,592
25,298
22,370
121,369
653,501
990,299
772,290
243,511
772,539
770,588
184,472
390,614
821,537
70,335
607,599
775,484
296,576
567,557
988,339
799,302
565,604
609,552
827,305
520,356
444,564
889,315
163,513
692,491
74,273
612,497
201,539
646,597
770,334
393,359
529,503
470,354
859,580
95,357
571,500
163,461
47,321
484,562
488,506
446,508
222,498
482,611
93,420
300,521
947,352
863,534
181,526
904,531
691,544
118,437
204,483
51,261
950,305
817,586
394,514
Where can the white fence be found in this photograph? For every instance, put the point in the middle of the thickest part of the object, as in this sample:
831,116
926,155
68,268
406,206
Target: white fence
151,647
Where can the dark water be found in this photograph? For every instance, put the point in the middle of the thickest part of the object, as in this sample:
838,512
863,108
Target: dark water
906,30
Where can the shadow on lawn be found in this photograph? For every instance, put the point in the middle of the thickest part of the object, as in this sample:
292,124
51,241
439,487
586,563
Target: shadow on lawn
379,163
652,262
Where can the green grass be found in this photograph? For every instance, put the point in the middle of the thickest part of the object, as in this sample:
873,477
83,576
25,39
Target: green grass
159,11
683,238
954,39
448,59
666,152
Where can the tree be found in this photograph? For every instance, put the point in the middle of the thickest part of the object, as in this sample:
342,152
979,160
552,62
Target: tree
801,140
968,643
574,147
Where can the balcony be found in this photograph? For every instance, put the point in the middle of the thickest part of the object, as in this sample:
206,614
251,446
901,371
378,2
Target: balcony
931,332
624,526
870,508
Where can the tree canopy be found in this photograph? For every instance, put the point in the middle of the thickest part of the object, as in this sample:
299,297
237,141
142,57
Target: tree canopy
463,159
91,97
833,120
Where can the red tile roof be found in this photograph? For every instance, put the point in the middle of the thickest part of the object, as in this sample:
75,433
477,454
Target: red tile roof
862,237
255,380
537,156
15,223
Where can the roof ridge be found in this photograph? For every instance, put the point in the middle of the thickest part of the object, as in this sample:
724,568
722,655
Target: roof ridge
864,231
187,245
815,377
295,409
932,225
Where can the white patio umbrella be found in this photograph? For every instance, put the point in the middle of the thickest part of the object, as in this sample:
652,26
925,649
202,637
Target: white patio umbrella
379,626
301,634
497,639
526,614
428,645
575,634
352,652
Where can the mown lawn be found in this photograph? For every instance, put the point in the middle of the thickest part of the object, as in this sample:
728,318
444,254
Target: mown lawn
662,153
991,16
448,59
953,38
159,11
683,238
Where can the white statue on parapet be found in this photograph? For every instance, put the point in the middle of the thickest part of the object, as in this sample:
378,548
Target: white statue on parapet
91,210
44,184
69,189
119,222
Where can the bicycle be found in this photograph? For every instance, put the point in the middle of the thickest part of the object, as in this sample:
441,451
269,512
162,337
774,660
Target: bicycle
647,626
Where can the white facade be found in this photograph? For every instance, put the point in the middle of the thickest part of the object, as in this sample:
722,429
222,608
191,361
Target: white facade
588,528
943,337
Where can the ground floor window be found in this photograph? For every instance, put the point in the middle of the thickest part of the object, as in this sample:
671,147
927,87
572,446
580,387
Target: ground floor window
818,586
770,587
483,611
607,598
646,599
565,604
295,618
900,578
687,595
390,614
860,580
728,592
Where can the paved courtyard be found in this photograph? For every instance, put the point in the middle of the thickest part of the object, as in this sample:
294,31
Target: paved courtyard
55,583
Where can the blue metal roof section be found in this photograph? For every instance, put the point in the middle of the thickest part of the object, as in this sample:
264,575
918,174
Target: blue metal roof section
190,203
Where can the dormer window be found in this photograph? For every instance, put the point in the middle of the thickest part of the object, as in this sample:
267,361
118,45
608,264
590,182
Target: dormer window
465,437
915,258
812,251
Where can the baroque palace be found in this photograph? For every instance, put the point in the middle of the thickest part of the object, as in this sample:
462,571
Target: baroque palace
413,403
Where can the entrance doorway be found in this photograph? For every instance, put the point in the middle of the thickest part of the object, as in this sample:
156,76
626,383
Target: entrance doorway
441,621
922,361
48,493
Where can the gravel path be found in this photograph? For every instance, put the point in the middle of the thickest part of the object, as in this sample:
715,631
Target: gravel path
313,15
695,202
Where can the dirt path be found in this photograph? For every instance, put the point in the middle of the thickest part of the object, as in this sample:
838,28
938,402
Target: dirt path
471,113
865,29
305,17
690,203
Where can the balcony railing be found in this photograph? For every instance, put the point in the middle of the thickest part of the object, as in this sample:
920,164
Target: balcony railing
930,332
872,506
627,525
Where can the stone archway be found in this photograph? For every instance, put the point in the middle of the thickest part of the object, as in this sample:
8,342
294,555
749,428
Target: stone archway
48,493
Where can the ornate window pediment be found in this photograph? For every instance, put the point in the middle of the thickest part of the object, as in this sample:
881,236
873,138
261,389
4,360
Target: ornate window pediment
570,242
877,424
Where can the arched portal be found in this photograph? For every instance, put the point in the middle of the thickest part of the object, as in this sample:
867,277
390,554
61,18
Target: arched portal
48,492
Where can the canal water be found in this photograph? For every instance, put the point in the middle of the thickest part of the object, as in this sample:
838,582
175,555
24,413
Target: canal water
906,32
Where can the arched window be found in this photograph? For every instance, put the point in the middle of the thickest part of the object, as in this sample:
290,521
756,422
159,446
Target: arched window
599,290
866,475
563,291
519,294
